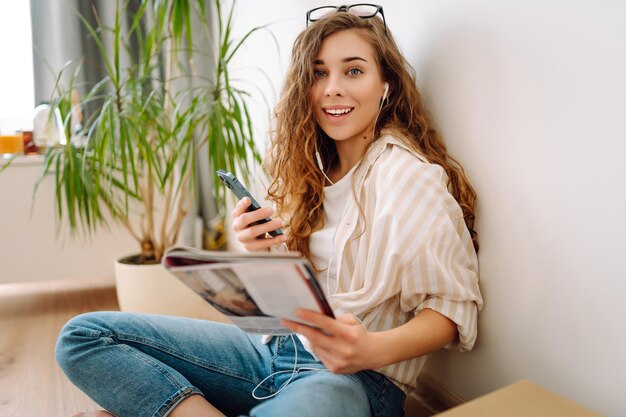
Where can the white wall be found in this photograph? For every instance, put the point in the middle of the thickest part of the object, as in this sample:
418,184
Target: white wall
30,249
528,96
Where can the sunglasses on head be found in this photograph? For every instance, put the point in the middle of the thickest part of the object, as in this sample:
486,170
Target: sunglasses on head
363,10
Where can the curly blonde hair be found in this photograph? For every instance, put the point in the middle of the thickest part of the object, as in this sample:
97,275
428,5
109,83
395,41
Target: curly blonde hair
297,184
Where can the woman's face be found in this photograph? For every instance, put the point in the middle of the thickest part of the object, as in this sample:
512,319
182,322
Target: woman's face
348,86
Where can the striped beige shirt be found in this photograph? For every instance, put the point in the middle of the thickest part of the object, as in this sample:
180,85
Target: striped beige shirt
409,250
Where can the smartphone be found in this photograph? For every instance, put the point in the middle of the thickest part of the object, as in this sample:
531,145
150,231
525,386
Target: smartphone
240,191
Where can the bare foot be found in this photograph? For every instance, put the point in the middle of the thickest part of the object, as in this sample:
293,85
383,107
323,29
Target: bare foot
100,413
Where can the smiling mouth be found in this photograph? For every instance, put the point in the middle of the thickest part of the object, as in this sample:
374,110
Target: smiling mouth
338,112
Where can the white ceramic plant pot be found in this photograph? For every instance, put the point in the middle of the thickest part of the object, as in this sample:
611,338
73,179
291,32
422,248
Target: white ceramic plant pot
151,289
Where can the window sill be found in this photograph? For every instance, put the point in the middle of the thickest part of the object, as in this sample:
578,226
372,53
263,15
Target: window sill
23,160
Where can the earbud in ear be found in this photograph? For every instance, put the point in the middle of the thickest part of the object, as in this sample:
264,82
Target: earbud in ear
385,91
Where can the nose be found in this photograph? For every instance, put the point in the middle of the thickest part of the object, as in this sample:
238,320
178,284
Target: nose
333,86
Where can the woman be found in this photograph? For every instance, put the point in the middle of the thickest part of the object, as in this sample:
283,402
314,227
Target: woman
367,191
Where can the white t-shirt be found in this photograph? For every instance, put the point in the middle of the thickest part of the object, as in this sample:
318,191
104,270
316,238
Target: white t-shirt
321,242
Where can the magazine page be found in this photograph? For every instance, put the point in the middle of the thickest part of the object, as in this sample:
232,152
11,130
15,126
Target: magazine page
256,295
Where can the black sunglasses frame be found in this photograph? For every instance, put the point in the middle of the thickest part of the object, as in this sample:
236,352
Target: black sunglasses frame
346,8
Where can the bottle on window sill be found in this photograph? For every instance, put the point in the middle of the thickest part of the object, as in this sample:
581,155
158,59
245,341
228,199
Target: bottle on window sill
29,145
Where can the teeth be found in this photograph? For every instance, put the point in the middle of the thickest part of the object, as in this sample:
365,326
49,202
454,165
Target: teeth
338,111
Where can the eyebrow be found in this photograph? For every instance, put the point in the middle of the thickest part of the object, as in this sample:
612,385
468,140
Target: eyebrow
348,59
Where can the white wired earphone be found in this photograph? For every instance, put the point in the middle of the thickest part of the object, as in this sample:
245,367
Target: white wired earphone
317,154
385,91
293,371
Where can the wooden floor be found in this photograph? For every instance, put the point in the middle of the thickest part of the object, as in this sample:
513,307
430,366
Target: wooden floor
31,316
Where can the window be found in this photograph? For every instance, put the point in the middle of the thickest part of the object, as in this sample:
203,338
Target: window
17,96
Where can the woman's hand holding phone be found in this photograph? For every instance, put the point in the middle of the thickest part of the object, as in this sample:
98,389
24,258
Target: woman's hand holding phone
252,236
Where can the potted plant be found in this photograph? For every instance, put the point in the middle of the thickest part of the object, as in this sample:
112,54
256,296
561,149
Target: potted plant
132,160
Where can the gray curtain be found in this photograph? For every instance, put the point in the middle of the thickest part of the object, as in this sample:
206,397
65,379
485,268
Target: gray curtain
60,39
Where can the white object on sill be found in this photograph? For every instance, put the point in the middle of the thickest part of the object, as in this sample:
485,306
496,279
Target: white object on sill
48,128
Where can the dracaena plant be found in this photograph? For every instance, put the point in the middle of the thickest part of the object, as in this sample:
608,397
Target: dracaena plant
141,141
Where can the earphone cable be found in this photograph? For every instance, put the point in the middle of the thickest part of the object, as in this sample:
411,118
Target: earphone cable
293,371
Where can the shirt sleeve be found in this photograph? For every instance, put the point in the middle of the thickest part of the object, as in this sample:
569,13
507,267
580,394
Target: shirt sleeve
443,276
434,264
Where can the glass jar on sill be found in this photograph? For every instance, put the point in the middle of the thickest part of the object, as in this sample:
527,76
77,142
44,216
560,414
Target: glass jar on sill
11,143
48,129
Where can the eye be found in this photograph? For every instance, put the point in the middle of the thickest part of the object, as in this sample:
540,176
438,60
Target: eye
354,71
319,73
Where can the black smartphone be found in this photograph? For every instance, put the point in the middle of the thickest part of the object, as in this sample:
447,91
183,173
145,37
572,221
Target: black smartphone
240,191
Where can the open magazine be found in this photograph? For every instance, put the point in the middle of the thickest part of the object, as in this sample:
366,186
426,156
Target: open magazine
254,290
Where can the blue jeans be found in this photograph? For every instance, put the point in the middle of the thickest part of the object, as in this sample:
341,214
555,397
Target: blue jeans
143,365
